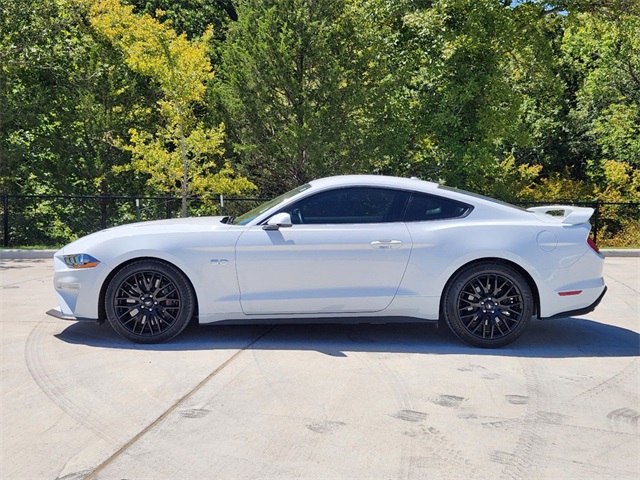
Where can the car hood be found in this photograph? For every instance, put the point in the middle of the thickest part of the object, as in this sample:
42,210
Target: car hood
173,226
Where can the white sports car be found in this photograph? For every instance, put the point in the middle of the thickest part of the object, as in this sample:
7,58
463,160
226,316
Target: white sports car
356,249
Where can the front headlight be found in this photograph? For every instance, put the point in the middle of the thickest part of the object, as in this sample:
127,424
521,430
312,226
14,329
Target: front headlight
81,260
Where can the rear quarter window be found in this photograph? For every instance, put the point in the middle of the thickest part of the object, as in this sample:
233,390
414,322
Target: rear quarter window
423,207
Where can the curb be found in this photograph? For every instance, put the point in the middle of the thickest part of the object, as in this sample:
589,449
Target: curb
26,254
622,252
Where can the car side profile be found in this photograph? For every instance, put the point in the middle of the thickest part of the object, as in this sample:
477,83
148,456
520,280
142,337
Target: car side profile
356,248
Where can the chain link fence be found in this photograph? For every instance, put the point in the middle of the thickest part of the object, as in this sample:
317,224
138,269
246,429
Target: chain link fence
53,220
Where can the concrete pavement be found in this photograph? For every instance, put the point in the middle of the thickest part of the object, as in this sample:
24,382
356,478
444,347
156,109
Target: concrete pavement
364,401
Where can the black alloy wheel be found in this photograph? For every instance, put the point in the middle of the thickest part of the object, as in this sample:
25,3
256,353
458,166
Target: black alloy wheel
149,301
488,305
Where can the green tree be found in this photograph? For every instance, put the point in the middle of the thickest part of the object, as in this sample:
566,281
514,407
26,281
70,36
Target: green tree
192,17
453,106
576,69
605,51
295,89
183,150
64,95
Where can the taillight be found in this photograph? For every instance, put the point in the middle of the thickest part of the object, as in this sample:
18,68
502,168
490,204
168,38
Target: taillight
593,245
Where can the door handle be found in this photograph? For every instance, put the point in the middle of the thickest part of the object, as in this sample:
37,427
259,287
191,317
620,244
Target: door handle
386,244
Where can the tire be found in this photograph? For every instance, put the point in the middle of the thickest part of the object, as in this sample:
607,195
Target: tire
488,305
149,301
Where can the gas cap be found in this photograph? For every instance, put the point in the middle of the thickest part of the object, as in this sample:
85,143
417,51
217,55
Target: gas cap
547,241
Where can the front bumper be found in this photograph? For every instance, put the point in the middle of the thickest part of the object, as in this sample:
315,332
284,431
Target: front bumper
57,313
77,290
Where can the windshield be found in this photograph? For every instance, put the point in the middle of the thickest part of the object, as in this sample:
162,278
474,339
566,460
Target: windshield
251,214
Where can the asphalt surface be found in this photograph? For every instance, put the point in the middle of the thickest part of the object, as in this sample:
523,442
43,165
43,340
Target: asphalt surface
367,401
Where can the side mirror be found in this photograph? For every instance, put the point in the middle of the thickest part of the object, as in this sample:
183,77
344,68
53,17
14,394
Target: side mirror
278,221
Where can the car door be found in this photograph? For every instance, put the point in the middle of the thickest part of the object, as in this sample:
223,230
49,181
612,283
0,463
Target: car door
346,252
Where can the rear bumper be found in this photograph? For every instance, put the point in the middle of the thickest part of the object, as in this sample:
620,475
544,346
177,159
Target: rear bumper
579,311
572,290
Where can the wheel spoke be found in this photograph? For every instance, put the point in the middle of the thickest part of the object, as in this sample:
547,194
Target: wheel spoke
159,285
132,318
131,310
131,288
166,295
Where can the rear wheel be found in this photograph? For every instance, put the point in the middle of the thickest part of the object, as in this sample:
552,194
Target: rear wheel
488,305
149,301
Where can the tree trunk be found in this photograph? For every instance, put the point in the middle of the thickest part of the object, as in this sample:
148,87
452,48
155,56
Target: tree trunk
185,173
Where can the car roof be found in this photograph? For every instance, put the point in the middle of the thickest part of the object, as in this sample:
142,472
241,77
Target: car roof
376,180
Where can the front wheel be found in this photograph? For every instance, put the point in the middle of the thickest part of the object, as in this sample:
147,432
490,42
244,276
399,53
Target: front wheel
488,305
149,301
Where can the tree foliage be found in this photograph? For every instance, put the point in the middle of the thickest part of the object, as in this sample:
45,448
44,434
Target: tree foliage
64,95
294,88
524,100
606,54
183,149
192,17
460,80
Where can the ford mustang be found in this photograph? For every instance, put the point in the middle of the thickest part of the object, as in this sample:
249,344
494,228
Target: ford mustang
356,249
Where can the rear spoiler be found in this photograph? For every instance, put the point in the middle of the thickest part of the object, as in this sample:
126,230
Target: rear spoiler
570,215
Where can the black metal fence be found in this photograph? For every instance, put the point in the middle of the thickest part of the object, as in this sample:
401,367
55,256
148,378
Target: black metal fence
50,220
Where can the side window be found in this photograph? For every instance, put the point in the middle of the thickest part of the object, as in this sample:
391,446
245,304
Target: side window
423,207
350,205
